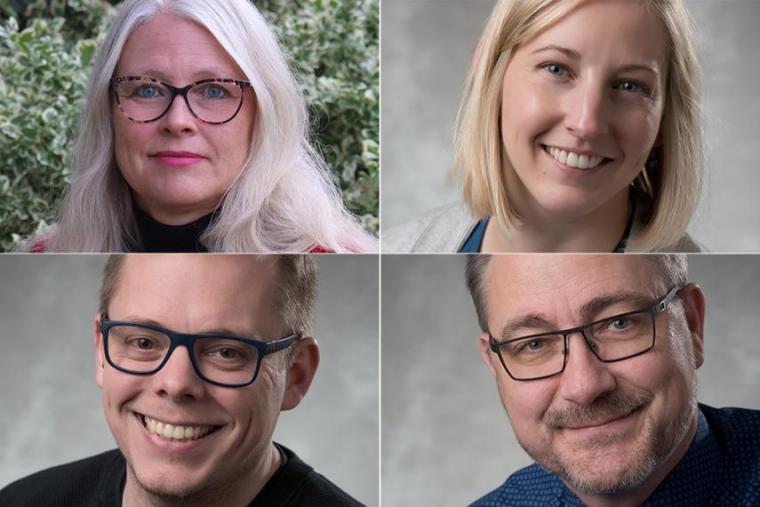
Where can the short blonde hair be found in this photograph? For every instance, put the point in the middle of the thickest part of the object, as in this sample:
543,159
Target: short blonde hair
283,200
296,298
670,192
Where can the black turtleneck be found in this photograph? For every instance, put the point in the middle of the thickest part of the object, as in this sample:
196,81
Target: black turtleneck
158,237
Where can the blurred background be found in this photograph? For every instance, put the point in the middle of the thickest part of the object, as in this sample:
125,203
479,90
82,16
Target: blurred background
50,405
426,49
47,48
446,440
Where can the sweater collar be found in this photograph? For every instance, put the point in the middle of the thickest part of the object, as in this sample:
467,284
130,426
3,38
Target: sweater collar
159,237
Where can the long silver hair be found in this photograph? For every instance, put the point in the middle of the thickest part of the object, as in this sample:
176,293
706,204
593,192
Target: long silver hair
283,199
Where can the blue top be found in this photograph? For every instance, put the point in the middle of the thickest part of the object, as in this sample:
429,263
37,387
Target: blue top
474,242
721,468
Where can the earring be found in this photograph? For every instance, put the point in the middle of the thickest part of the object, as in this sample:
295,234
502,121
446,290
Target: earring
653,162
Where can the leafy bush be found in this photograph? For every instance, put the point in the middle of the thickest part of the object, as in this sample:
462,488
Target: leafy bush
47,47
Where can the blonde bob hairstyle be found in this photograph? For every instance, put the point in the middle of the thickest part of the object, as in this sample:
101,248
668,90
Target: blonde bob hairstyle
283,199
669,193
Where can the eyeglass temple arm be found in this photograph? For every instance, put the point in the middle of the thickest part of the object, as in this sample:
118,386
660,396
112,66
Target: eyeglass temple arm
282,343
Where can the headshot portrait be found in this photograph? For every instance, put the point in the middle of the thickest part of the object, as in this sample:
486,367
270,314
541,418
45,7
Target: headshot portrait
195,134
619,380
569,126
189,380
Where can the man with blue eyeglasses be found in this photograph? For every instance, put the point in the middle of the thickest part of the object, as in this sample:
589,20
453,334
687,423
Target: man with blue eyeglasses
196,356
595,360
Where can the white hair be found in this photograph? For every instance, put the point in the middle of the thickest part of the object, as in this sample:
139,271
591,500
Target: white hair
283,200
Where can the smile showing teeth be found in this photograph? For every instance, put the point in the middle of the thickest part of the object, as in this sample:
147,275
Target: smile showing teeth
173,432
572,159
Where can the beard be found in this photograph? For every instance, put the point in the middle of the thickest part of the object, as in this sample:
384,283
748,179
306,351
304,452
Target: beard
602,465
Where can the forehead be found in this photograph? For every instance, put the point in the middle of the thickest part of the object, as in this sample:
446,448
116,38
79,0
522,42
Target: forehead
195,291
168,46
517,284
608,30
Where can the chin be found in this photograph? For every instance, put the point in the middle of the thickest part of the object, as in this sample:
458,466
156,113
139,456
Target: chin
167,483
566,202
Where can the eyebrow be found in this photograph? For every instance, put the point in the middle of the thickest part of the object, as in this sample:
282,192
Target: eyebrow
571,53
150,322
207,73
588,311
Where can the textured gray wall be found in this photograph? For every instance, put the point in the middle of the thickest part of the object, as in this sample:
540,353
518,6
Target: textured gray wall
50,409
446,438
426,48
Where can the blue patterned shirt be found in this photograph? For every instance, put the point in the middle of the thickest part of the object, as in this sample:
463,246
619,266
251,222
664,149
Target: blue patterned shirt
721,468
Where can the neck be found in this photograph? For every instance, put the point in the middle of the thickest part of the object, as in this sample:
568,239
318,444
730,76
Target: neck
636,497
238,493
597,231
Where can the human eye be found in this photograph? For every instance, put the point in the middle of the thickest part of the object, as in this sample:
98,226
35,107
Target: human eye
630,86
142,343
213,91
531,346
555,69
620,323
227,354
621,326
147,91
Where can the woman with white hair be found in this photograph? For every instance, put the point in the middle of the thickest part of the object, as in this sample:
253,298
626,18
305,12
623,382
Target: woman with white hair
194,137
579,130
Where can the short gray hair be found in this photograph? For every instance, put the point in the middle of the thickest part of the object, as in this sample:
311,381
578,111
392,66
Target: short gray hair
673,268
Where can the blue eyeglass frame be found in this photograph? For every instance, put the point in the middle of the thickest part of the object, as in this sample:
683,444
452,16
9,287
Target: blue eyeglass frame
116,81
659,307
188,341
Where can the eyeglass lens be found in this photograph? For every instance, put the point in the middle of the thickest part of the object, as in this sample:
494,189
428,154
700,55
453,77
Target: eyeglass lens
141,350
611,339
145,99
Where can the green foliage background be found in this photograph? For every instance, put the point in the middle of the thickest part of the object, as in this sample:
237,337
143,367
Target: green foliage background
47,48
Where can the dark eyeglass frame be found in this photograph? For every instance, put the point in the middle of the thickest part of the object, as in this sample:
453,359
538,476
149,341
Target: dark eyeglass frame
188,341
116,81
659,307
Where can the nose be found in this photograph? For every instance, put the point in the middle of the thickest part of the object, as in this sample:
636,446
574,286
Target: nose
586,115
177,379
585,377
178,119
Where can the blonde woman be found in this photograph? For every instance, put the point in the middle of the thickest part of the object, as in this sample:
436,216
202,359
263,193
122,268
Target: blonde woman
579,130
194,137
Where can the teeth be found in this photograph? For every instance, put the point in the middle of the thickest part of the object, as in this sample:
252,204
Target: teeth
572,159
171,431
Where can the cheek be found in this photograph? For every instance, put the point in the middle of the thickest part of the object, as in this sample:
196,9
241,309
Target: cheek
525,406
638,131
528,111
130,140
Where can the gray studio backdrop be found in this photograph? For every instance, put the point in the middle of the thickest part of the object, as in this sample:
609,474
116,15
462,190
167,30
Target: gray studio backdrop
50,408
446,440
426,48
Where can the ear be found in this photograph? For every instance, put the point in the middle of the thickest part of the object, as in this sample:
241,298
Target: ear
485,352
97,340
300,372
694,309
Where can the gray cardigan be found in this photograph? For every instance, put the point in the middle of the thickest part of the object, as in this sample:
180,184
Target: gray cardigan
445,229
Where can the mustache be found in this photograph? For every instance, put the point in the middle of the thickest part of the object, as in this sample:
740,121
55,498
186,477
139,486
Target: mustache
604,409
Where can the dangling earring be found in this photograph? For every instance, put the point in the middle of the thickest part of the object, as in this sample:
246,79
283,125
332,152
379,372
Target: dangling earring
653,162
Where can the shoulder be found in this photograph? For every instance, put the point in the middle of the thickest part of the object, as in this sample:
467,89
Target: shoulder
736,434
735,426
296,484
78,483
442,230
531,485
684,245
